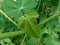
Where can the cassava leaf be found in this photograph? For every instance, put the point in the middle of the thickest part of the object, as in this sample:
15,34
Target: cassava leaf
21,21
50,40
2,20
18,7
32,16
32,29
32,41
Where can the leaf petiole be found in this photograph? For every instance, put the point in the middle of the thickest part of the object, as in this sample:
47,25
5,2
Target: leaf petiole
8,18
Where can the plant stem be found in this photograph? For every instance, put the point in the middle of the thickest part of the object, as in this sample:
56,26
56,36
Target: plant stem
23,40
50,18
10,34
8,17
38,4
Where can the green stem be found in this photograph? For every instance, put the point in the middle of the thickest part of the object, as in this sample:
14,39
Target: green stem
10,34
23,40
8,17
39,4
50,18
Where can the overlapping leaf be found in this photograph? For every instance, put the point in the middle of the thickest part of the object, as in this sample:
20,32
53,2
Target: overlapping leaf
18,7
32,29
50,40
29,23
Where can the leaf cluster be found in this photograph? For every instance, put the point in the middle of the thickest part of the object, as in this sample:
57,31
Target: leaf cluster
30,22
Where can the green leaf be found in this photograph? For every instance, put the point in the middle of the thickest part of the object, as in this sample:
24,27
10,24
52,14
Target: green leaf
32,29
21,21
33,14
51,25
2,20
19,7
58,19
50,40
6,41
32,41
57,28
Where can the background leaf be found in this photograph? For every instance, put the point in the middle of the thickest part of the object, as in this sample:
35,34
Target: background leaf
20,7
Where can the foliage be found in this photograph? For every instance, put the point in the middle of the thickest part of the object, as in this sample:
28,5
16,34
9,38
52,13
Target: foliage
29,22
